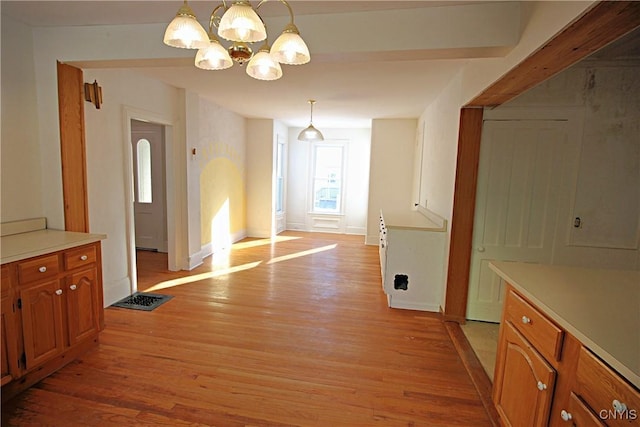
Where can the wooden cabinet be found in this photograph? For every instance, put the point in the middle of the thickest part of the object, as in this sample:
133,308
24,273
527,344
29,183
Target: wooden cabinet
546,377
605,394
42,325
9,343
522,375
578,414
83,318
57,303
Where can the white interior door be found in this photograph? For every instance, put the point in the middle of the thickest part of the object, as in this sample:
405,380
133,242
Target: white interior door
516,204
150,210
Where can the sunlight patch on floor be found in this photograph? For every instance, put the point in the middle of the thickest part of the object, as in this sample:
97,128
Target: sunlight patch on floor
261,242
203,276
302,253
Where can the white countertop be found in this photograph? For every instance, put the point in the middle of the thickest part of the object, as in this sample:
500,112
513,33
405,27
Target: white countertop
601,308
21,246
413,220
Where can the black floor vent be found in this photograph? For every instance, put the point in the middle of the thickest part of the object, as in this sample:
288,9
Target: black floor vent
142,301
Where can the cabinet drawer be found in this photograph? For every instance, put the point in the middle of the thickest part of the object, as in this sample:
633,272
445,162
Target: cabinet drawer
38,268
78,257
604,391
578,414
545,336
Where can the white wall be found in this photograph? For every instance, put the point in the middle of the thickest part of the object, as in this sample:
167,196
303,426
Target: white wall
214,133
20,149
391,174
108,176
440,126
358,145
603,182
260,177
540,22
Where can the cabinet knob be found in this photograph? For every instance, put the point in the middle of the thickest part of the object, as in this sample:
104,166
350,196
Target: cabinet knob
619,407
526,320
481,249
566,416
73,287
59,292
84,258
541,386
42,269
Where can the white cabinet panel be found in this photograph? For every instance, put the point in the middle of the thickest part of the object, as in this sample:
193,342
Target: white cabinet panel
412,253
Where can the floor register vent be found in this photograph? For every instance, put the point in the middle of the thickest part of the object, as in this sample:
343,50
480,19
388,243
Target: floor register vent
143,301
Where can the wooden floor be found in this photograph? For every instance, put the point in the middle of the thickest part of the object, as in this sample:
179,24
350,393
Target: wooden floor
292,333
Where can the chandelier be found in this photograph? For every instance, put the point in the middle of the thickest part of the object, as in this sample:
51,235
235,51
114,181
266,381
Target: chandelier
240,24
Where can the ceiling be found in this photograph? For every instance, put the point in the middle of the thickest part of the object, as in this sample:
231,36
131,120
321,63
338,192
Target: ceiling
350,89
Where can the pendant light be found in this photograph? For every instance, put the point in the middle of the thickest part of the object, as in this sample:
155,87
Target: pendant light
310,133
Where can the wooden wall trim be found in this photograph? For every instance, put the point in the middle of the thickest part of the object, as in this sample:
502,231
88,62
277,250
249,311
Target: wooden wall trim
72,148
464,202
600,25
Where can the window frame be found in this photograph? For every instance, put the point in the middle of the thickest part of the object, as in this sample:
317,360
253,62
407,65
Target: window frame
280,191
312,176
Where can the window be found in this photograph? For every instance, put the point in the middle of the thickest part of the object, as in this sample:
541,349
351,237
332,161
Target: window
327,185
279,177
143,152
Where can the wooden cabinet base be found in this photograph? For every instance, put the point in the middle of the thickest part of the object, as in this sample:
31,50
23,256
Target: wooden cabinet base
47,368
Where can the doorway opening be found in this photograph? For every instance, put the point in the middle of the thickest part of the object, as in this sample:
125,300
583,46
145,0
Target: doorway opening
149,186
150,178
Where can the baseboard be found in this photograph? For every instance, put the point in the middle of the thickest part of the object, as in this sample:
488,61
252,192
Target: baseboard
115,291
372,240
194,261
411,305
361,231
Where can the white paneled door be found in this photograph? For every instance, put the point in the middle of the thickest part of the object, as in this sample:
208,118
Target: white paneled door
150,209
516,204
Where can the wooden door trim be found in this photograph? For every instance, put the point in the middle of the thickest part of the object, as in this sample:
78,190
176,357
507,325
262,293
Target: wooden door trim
603,23
464,202
73,148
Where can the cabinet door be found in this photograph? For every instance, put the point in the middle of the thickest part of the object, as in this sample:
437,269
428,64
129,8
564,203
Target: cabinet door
82,305
42,322
9,342
524,382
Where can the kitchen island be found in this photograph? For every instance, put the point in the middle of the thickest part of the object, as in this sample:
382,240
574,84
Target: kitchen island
569,346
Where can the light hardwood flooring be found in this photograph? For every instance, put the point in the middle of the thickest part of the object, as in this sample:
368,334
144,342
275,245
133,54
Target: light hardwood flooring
291,333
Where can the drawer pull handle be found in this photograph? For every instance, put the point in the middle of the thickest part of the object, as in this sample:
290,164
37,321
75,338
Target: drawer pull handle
541,386
526,320
619,407
42,269
59,292
73,287
84,258
566,416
